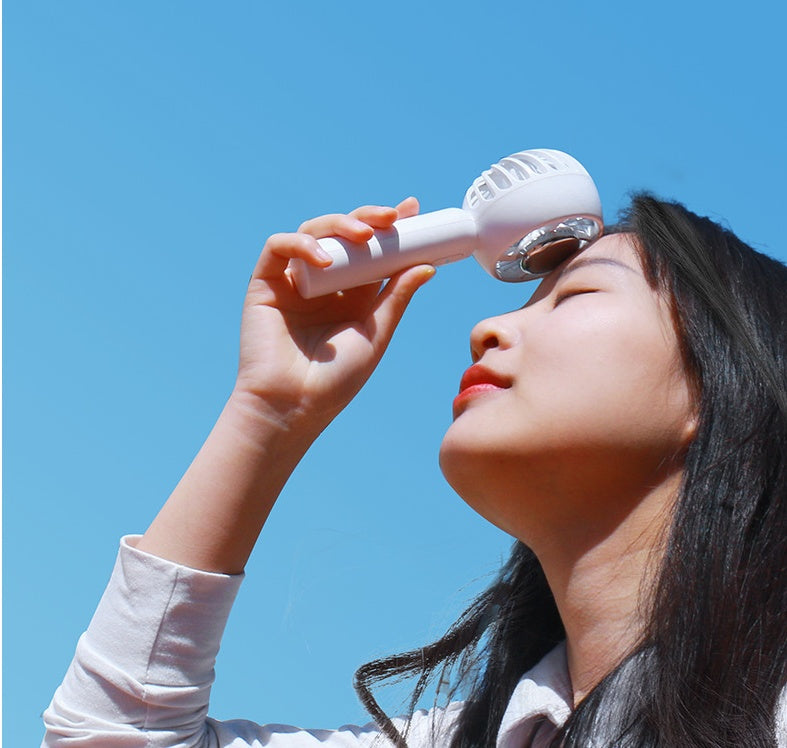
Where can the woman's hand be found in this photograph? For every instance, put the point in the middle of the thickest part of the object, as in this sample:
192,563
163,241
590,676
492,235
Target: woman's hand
302,360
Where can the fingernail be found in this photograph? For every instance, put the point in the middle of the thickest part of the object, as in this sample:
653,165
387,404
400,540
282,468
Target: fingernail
323,254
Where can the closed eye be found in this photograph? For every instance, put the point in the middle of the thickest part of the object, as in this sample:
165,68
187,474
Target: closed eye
563,295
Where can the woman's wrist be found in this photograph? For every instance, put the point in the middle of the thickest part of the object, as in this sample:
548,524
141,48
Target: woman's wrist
260,415
263,439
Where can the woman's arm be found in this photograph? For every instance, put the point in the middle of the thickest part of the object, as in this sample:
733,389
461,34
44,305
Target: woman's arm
301,362
142,672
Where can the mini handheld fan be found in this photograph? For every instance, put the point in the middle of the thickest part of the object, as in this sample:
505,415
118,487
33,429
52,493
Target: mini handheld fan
520,219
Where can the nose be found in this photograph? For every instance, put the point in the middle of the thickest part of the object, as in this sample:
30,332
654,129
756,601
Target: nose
489,333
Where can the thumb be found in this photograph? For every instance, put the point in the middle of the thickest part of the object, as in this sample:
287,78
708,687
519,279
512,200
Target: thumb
394,299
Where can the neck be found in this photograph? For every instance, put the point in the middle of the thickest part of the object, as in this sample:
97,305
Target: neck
600,576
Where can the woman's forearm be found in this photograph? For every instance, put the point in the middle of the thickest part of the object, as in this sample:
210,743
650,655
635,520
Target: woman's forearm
215,514
301,361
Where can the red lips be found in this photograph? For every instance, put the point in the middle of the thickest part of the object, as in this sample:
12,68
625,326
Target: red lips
478,380
478,374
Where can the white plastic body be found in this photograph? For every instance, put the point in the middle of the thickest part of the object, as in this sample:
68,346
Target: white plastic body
512,214
431,238
512,198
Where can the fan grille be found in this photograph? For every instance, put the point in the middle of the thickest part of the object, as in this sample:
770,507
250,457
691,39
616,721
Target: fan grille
516,169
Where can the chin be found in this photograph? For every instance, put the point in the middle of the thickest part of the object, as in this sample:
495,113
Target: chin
471,474
465,463
451,460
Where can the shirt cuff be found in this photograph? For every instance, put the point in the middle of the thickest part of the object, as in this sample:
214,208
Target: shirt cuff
161,622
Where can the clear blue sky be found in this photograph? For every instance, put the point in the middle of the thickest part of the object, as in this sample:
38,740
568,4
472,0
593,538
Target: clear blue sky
150,147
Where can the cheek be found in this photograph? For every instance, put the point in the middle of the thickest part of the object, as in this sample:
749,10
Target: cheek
615,373
603,385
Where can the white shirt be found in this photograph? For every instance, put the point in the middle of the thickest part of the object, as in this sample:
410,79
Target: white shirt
142,674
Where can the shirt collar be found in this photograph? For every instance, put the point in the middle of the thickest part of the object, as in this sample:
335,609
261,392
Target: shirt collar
543,691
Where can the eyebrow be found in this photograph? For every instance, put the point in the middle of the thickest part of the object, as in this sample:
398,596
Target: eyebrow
582,262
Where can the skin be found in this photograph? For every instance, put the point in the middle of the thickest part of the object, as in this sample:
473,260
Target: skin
579,452
301,362
578,455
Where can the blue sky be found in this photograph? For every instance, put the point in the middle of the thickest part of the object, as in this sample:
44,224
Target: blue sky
149,149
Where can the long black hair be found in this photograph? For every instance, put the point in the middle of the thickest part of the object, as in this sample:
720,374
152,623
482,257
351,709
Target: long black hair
712,660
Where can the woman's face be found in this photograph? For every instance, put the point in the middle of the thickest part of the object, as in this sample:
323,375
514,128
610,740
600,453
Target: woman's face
576,403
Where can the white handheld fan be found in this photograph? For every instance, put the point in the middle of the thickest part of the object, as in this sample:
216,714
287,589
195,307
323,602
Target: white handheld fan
520,219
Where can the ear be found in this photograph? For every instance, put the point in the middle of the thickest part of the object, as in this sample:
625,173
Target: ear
691,423
690,429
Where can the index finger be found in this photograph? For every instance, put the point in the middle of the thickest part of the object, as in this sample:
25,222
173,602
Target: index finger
280,248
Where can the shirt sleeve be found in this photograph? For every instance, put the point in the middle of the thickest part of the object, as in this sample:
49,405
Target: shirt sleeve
142,672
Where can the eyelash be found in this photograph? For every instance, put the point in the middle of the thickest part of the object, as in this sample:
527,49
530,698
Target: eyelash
568,294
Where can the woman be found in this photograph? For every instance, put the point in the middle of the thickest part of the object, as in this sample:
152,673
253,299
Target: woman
628,427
